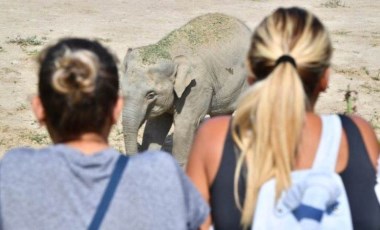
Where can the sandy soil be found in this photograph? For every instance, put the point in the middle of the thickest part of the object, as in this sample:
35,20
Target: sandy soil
119,24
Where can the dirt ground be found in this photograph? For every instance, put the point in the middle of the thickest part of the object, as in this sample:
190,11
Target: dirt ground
26,26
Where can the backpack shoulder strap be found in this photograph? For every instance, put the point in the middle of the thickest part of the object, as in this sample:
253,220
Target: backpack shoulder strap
328,149
116,175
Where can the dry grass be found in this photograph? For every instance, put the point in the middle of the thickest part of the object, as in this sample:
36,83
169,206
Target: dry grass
28,42
39,138
350,97
333,4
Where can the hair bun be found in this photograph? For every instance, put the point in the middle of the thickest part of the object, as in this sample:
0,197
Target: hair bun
75,73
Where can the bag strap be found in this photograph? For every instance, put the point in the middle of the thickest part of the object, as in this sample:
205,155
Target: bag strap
120,165
328,149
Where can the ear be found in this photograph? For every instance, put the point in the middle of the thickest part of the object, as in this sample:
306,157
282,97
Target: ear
129,51
117,110
38,110
324,82
251,79
126,58
183,77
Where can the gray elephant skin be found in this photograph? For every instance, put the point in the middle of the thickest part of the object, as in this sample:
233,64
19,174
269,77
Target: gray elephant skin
196,70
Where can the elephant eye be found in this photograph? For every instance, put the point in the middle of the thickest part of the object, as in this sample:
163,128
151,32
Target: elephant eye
150,95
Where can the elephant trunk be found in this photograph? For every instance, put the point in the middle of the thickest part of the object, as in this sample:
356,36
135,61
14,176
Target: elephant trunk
132,120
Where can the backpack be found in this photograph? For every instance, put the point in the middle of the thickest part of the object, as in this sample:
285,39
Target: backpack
317,198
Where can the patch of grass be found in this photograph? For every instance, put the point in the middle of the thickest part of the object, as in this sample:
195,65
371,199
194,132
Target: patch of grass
28,41
34,123
7,70
3,142
39,138
365,70
350,97
21,107
376,78
333,4
1,49
200,31
119,132
347,71
150,54
31,52
103,39
341,32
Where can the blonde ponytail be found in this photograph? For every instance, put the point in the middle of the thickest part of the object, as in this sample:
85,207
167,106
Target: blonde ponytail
268,123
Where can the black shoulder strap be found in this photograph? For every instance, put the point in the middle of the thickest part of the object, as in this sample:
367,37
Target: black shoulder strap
109,192
358,154
359,179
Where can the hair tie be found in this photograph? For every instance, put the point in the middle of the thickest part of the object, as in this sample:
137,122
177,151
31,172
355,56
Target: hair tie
286,58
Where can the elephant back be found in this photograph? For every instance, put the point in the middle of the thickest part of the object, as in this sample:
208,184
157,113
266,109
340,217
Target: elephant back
208,32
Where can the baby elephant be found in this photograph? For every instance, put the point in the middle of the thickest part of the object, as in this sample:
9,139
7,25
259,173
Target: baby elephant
195,70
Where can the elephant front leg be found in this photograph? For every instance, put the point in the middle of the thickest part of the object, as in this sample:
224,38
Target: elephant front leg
155,131
184,131
190,111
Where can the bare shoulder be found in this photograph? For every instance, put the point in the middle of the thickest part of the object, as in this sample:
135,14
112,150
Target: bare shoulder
369,138
215,125
206,151
211,134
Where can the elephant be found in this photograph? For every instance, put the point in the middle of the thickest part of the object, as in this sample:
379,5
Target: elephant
195,70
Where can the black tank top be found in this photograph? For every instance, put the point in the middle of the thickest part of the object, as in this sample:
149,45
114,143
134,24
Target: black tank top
359,179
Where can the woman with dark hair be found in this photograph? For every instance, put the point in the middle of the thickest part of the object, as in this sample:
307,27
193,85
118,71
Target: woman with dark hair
80,182
275,130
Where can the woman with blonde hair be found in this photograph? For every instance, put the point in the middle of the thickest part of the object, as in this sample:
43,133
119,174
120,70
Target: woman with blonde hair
275,130
79,181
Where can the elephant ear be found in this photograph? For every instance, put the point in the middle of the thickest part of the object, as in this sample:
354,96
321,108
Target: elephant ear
183,77
126,59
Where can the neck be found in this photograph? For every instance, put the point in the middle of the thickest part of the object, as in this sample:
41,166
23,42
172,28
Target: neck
89,143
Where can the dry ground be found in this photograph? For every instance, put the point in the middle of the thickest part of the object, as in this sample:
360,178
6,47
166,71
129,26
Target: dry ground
26,26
